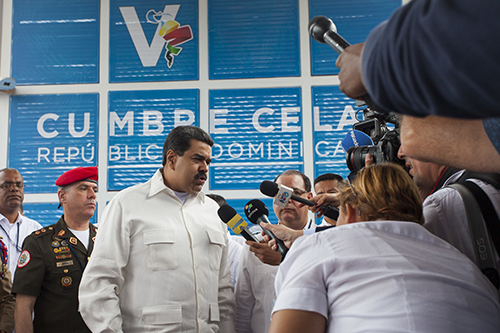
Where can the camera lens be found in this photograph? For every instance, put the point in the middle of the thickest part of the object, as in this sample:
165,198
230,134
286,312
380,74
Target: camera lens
356,156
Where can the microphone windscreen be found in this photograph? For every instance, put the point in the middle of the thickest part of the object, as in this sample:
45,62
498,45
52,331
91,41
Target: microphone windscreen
269,188
255,209
318,26
226,213
355,138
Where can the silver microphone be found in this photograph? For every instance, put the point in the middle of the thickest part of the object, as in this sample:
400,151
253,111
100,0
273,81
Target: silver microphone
323,30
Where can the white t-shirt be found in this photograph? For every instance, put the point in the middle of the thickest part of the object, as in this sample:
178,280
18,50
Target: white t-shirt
386,276
82,235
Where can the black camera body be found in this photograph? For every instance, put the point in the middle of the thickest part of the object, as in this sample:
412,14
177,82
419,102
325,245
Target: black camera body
386,140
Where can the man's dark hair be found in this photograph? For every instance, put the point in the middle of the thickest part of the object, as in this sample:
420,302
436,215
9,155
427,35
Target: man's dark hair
328,176
179,140
305,179
217,198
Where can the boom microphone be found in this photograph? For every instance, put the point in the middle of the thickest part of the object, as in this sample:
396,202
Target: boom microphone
234,221
283,194
323,30
257,212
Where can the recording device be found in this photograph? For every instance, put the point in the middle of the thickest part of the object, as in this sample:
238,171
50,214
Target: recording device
235,222
283,194
385,140
385,145
257,212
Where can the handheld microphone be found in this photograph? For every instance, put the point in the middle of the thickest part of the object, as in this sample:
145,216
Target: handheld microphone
355,138
234,221
323,30
257,212
283,194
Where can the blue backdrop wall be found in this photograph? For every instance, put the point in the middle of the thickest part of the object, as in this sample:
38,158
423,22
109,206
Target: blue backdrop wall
103,82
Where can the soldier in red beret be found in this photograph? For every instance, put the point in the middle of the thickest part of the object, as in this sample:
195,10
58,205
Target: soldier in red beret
51,264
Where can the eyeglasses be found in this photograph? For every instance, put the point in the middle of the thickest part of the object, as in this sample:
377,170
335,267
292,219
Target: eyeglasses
9,185
298,192
350,178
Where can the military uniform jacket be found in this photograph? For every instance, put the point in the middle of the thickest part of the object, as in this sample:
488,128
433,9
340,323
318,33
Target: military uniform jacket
7,300
51,267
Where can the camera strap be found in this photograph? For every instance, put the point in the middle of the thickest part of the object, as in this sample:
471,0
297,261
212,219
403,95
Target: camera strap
481,216
489,212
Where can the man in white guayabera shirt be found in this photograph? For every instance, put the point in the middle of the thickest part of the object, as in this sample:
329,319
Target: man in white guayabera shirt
160,260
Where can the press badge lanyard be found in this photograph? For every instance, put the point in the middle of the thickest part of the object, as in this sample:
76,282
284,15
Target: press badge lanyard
10,239
74,252
76,256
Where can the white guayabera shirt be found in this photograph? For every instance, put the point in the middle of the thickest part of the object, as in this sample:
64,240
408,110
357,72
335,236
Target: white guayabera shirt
159,265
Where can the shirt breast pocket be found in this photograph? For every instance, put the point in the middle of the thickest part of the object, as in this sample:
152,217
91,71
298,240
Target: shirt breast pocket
215,248
68,277
161,249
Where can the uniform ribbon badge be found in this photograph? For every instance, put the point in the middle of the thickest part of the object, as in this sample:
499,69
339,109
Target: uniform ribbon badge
3,259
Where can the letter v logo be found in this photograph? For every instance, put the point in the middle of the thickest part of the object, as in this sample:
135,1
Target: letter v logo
149,54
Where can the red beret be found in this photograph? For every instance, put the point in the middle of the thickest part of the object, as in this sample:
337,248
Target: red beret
76,175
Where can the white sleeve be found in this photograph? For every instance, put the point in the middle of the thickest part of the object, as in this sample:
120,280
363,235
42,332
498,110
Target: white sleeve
444,216
233,258
226,294
103,277
300,281
245,299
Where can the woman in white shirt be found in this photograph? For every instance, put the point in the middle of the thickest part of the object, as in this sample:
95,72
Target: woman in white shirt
380,270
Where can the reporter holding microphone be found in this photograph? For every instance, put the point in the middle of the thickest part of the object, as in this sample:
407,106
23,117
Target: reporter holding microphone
380,270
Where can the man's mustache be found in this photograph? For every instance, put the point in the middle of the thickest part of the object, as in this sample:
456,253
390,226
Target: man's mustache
201,174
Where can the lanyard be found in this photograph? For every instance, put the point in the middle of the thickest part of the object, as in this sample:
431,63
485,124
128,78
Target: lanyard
76,255
10,239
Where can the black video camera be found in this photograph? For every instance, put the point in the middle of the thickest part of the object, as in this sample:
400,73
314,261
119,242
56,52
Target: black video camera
386,140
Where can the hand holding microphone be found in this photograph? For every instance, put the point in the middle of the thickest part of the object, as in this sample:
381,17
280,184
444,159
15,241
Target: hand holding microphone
283,194
257,213
323,30
286,234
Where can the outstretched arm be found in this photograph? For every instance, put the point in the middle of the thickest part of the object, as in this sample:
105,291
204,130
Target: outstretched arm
460,143
287,235
351,76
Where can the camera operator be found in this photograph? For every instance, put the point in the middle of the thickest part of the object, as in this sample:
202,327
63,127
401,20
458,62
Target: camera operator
444,209
381,270
415,63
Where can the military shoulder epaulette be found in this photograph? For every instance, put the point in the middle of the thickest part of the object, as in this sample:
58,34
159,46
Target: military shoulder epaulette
44,231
